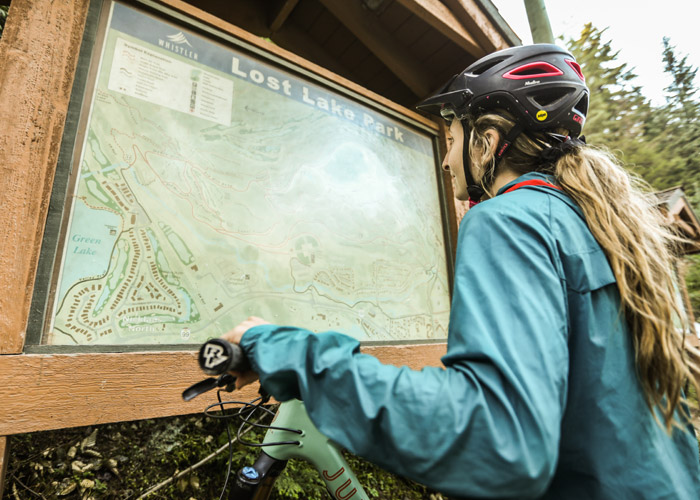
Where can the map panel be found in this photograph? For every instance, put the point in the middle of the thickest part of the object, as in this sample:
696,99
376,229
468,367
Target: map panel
213,186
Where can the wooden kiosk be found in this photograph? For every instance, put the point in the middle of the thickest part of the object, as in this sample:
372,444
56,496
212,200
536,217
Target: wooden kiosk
67,131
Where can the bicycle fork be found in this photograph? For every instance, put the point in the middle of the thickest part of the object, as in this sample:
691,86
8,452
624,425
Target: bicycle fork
255,483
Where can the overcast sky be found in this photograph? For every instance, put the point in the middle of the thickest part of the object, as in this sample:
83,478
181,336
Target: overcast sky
636,29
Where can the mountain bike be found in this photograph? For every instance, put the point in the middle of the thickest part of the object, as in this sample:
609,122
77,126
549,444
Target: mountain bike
291,435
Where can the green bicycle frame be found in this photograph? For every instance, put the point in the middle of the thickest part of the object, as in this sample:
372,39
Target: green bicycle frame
315,448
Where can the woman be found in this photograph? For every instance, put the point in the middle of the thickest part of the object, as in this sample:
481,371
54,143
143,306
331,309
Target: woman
563,369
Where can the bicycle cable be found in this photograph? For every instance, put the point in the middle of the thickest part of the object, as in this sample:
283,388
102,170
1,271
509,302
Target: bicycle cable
254,406
230,447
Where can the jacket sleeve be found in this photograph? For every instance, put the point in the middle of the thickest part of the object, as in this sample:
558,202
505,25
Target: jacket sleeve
485,426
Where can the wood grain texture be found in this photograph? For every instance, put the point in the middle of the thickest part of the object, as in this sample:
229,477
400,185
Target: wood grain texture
290,35
370,31
41,392
442,19
478,24
38,57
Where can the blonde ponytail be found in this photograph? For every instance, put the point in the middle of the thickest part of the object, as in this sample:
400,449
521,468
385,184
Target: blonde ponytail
639,246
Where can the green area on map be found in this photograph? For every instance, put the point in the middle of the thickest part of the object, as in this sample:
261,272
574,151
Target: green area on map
182,227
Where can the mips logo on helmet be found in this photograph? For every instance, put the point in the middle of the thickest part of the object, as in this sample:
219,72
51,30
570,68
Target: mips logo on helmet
541,115
213,355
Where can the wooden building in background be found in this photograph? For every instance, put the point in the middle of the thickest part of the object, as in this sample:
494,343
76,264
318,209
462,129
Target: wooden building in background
681,216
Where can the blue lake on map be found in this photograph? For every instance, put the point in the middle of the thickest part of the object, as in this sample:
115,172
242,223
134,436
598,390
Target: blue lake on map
88,245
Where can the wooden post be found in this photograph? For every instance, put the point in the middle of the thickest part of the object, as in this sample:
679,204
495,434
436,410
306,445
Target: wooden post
4,458
38,56
539,21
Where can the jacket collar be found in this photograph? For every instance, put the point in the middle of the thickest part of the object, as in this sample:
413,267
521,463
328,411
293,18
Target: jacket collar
527,177
547,178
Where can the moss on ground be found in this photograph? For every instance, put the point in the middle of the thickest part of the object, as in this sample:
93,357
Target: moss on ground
122,461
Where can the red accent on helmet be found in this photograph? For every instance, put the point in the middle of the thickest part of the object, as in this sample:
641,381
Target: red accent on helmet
577,68
538,69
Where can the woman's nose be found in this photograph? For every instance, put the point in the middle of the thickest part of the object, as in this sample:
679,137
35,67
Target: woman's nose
445,165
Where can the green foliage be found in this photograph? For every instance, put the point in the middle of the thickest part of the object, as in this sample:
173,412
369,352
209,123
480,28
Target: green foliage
299,480
381,485
4,9
682,89
692,279
122,461
618,111
675,126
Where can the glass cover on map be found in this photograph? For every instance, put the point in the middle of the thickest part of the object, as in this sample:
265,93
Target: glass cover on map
213,186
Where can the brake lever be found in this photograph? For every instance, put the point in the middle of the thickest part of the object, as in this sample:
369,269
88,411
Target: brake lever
227,380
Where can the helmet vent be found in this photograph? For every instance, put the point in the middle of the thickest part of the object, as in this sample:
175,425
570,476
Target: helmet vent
539,69
549,97
582,105
487,65
577,68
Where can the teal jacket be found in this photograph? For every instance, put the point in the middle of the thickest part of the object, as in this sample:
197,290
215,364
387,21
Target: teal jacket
539,397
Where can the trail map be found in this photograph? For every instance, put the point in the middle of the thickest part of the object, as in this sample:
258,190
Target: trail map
213,186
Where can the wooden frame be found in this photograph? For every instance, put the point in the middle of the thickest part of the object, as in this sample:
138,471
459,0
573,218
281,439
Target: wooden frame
50,391
41,392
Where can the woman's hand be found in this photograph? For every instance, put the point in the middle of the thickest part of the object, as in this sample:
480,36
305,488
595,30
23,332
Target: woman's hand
234,336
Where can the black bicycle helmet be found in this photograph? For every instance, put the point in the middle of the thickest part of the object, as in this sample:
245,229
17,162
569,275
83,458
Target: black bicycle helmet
541,85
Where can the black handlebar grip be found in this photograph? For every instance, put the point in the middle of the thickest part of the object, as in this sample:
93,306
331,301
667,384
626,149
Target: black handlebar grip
217,356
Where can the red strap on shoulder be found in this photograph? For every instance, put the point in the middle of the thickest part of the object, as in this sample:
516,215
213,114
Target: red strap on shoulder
533,182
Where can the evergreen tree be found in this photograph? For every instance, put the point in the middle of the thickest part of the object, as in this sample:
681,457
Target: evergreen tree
675,126
681,92
675,129
618,110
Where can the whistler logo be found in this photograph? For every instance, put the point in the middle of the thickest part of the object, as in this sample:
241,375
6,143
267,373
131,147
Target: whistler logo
178,43
179,39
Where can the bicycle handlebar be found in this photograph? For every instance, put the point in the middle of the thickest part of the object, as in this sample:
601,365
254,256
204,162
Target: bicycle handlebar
218,356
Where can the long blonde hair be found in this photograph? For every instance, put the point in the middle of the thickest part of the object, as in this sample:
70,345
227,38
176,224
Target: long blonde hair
641,249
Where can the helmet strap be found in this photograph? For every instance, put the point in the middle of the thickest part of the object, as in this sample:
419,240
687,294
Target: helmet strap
510,137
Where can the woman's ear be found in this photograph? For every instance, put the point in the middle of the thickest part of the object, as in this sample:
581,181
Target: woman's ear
492,140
